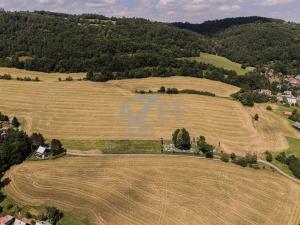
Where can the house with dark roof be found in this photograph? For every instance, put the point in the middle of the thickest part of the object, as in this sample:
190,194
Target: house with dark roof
297,125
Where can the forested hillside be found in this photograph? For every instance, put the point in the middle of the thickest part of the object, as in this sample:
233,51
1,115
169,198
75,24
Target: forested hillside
45,41
275,44
215,26
254,41
59,42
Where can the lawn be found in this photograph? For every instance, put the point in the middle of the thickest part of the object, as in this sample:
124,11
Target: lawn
10,207
114,146
222,62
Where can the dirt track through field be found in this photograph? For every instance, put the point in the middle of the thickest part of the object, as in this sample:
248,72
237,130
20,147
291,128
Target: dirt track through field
111,111
158,190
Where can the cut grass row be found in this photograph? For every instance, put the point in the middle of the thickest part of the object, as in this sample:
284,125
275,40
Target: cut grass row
157,190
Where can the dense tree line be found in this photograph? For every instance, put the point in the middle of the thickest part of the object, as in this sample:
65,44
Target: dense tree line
254,41
215,26
292,161
274,44
45,41
14,149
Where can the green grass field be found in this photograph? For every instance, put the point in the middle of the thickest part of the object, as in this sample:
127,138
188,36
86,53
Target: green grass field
294,148
222,62
114,146
10,207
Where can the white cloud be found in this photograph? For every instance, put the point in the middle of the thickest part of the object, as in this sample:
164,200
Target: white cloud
274,2
162,10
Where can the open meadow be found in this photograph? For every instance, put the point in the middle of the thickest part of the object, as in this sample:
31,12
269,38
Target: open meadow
89,111
157,190
222,62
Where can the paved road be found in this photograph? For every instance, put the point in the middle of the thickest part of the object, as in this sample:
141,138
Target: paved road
279,170
87,154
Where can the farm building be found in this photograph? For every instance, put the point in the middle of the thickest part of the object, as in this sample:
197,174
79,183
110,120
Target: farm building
6,220
292,100
287,113
294,82
19,222
297,125
42,152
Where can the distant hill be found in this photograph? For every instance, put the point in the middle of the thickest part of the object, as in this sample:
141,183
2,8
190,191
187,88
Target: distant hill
216,26
258,44
47,41
254,41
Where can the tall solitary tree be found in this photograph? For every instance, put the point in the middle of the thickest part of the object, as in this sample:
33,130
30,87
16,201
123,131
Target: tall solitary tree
181,139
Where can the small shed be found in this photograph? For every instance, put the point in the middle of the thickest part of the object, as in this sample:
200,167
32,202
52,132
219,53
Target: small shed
42,152
297,125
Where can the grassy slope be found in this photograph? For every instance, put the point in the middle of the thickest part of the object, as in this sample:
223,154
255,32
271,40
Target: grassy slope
222,62
88,111
157,190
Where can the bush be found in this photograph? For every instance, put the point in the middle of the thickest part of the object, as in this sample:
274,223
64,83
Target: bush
269,108
269,156
209,154
233,156
281,157
290,159
194,92
53,214
162,90
294,166
6,77
28,215
225,157
251,158
241,161
203,146
69,78
57,147
9,206
256,117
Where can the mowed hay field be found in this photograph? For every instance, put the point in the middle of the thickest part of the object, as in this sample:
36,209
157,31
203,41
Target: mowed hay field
157,190
82,110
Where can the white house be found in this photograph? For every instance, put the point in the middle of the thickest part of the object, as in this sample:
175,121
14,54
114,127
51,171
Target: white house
42,223
42,152
19,222
292,100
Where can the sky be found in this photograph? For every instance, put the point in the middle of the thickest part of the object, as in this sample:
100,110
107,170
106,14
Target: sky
195,11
